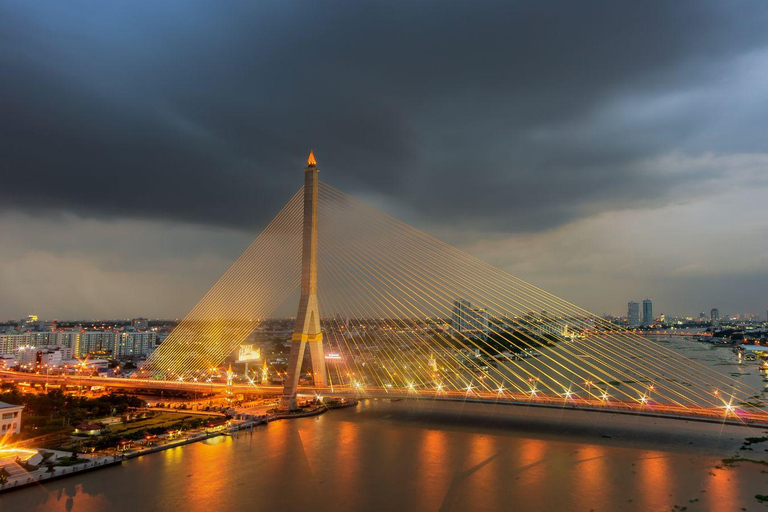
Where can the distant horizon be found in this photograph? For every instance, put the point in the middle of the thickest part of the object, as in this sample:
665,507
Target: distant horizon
322,316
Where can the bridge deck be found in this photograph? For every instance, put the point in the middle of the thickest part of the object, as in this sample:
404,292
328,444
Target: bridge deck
735,415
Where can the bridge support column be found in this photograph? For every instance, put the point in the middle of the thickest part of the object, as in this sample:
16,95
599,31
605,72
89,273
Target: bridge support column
307,329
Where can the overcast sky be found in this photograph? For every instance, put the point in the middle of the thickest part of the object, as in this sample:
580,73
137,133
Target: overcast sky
604,151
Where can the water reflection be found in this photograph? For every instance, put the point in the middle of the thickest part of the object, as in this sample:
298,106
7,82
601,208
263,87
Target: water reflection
723,491
654,481
591,477
387,458
433,469
531,470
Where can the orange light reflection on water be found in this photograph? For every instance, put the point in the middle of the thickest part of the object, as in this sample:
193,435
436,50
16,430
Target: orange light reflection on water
484,480
654,481
590,477
199,485
723,490
348,455
531,457
433,472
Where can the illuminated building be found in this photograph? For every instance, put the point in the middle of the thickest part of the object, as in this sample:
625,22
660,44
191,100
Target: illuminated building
30,323
10,418
134,343
96,341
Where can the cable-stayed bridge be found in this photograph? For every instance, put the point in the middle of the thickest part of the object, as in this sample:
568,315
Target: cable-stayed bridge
390,311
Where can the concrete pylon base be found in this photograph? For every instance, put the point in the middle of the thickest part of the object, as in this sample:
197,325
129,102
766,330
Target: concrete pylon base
288,404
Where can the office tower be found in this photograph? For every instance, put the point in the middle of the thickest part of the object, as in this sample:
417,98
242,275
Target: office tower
647,312
633,313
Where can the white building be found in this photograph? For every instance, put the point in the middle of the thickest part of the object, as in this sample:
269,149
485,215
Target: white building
26,356
55,356
66,339
132,343
96,341
10,344
10,418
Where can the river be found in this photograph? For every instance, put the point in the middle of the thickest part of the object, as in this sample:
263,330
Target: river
403,456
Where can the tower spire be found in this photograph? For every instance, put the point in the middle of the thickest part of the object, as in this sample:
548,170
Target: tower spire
311,162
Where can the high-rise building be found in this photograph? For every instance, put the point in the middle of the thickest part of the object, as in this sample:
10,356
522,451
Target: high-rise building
132,343
633,313
96,341
66,339
714,316
10,344
647,312
460,314
466,319
481,322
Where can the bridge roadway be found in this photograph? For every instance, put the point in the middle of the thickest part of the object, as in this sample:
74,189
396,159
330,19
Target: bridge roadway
736,416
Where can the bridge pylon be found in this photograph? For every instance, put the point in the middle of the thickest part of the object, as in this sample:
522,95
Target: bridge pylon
307,329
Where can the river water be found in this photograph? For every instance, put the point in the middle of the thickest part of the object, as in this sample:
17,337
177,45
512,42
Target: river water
403,456
427,456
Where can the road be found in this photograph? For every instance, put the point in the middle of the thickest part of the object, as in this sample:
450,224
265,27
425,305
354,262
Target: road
723,415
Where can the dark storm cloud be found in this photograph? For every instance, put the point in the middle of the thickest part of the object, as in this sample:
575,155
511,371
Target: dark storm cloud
508,115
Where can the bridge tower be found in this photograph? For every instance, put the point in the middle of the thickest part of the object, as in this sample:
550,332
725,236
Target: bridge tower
307,329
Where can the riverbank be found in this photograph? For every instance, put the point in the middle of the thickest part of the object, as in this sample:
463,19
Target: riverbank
23,478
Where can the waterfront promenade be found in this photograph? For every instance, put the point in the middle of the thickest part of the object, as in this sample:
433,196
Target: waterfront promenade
19,476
